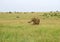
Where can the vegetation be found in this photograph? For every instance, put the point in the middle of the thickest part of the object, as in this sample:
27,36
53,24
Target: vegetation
14,27
52,14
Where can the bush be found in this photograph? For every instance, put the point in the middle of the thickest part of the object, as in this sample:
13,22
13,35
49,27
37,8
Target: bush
45,14
17,17
32,12
55,14
10,12
25,12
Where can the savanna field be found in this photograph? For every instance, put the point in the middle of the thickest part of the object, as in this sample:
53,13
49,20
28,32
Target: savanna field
14,27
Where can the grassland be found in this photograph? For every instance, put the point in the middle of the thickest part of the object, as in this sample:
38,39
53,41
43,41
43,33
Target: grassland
13,29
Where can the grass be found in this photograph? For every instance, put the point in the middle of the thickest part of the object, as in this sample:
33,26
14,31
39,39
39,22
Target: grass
14,29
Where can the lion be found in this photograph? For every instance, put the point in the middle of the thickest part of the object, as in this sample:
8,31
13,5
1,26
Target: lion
35,21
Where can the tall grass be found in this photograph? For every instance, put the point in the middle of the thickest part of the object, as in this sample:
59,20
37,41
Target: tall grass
14,29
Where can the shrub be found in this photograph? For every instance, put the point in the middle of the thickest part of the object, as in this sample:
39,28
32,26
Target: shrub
17,17
10,12
45,14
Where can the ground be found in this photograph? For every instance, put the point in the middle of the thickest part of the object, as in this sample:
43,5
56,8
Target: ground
14,29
